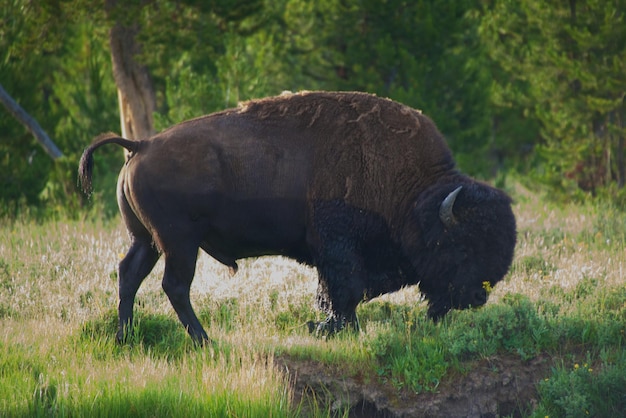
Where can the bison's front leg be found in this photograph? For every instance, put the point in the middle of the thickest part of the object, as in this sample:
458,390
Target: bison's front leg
135,266
339,292
340,265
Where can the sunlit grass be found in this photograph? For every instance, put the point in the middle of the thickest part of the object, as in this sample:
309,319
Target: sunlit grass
86,374
565,295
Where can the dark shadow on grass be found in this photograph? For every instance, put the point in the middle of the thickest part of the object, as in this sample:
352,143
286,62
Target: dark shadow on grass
158,335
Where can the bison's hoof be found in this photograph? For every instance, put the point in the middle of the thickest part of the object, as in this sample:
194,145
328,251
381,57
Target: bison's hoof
332,326
122,337
321,329
324,329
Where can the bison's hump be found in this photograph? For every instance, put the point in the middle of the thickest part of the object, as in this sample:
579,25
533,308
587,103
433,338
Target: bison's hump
357,108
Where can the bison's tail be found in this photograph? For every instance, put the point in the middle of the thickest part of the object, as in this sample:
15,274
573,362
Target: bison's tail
85,167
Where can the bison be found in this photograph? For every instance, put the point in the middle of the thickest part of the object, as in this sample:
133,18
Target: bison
363,188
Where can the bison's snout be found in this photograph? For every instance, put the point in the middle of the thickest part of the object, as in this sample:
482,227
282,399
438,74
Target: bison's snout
477,298
469,298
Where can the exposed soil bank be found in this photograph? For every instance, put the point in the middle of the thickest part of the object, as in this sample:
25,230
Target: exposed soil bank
500,386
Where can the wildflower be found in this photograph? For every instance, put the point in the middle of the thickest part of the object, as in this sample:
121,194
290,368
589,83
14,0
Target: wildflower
487,287
576,366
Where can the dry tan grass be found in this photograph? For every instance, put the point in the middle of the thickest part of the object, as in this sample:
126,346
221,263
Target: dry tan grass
559,237
67,270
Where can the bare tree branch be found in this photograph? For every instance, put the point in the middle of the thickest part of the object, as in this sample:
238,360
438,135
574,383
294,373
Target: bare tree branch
31,124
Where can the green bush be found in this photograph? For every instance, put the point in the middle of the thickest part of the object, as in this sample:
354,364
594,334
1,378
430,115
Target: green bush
588,389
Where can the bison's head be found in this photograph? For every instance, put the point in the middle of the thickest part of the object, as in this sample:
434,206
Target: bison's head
465,242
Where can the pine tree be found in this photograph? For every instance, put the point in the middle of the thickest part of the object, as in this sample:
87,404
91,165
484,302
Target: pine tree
562,65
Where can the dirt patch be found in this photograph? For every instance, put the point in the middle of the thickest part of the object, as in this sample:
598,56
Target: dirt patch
499,386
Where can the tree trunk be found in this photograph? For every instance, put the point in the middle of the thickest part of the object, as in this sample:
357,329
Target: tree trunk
134,87
31,124
621,167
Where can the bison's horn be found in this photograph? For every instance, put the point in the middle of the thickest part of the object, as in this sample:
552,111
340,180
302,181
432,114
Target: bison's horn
445,210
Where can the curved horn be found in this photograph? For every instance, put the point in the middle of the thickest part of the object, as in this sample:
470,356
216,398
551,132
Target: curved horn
445,210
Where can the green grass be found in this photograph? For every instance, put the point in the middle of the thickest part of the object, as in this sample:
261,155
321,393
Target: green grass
565,298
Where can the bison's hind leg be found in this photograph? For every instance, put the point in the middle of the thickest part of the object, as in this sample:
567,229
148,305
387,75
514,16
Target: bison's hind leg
135,266
180,267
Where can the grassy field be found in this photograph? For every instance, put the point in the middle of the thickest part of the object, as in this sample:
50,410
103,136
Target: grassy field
563,301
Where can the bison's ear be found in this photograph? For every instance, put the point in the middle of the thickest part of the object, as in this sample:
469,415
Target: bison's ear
445,209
